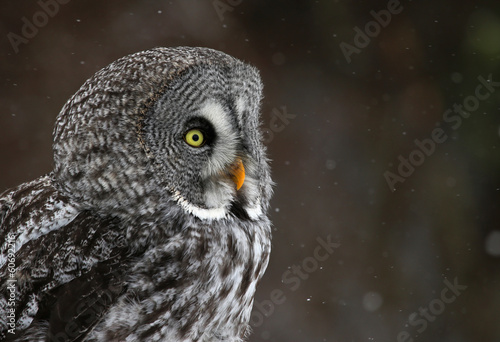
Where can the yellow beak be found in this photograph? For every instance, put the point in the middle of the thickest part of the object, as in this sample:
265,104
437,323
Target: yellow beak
238,173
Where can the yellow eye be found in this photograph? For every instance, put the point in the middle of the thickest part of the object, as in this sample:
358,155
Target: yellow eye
194,137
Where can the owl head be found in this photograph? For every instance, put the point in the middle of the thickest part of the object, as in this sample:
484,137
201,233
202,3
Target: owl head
162,129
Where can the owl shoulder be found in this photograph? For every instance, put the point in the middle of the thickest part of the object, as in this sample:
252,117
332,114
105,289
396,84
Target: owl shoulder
32,209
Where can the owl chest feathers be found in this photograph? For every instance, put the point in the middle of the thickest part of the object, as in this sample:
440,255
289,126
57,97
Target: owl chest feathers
198,286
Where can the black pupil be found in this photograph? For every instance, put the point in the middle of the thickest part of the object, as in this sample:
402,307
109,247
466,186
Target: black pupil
196,137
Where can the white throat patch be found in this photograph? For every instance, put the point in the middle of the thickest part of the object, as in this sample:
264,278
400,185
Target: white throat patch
202,213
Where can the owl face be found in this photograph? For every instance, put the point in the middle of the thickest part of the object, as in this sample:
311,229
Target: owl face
202,137
166,124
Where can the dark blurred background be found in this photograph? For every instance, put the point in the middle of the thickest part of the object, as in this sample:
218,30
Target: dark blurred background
346,96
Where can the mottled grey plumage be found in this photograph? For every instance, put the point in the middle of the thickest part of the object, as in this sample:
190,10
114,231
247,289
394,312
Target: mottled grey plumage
136,235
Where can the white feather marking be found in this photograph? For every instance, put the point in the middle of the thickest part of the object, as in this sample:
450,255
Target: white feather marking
62,214
254,212
251,188
202,213
224,152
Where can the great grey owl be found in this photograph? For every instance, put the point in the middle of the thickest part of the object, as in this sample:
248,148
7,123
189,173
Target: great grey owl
152,225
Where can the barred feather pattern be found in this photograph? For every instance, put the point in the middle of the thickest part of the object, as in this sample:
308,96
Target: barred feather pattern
136,236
